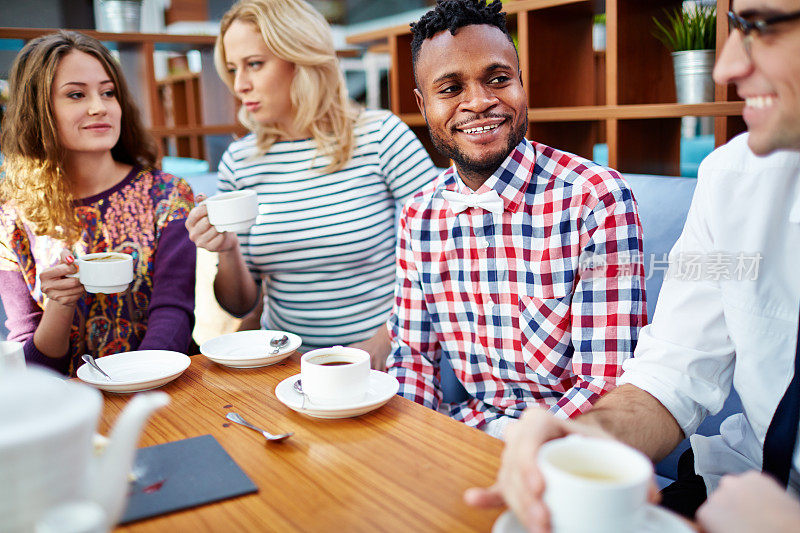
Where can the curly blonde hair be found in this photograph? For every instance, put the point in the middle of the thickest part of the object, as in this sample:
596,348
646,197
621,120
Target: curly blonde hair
297,33
33,165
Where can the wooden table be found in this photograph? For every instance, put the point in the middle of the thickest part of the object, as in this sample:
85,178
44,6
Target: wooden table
402,467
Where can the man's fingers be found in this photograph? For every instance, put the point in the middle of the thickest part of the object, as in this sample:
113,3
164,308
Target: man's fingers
484,497
653,494
538,517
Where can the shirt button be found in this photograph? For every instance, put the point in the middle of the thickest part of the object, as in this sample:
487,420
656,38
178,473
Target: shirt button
485,244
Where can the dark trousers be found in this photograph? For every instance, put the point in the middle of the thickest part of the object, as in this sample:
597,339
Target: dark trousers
688,493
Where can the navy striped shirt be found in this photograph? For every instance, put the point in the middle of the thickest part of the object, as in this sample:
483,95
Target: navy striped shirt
324,243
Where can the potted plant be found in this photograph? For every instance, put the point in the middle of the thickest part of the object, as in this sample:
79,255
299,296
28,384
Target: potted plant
690,34
599,32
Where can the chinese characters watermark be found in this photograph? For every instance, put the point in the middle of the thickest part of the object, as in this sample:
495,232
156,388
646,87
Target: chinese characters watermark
684,266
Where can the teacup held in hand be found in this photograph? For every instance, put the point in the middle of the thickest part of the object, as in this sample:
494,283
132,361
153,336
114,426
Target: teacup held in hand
232,211
105,272
599,484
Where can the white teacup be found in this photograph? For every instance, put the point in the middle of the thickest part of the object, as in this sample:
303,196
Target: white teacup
105,272
11,356
232,211
594,482
335,376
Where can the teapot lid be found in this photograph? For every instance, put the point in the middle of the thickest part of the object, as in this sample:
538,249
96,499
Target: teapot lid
36,403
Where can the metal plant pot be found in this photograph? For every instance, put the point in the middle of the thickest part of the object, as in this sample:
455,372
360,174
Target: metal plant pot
694,85
121,15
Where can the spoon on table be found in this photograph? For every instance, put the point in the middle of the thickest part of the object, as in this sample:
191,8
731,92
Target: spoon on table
234,417
90,360
279,343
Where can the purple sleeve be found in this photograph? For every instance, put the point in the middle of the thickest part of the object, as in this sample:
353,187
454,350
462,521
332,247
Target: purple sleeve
22,318
171,313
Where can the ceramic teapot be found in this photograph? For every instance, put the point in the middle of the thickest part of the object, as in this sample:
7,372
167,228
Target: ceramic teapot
47,426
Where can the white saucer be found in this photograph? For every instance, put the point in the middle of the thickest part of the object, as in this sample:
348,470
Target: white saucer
249,349
135,371
382,387
656,520
236,227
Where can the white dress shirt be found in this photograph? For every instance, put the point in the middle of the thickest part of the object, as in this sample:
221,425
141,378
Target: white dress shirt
727,328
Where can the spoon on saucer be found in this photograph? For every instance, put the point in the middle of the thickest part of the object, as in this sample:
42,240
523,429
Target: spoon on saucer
234,417
90,360
279,343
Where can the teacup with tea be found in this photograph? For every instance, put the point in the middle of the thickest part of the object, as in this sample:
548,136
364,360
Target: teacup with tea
609,479
105,272
335,376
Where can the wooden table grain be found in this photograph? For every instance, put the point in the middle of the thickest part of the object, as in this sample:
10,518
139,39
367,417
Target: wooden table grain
402,467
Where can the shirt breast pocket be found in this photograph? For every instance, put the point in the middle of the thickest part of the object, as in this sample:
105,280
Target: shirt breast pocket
544,324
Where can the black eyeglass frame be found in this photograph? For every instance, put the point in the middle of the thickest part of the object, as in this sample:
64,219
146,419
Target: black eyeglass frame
759,25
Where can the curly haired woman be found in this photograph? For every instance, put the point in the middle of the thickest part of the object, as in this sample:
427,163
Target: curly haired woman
80,178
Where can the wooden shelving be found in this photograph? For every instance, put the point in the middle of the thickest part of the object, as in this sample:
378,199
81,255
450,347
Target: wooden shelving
200,103
578,97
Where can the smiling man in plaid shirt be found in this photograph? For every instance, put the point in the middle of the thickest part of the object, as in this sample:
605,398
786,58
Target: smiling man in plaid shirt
489,257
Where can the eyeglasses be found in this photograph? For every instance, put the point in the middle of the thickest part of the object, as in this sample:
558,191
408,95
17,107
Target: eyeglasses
757,26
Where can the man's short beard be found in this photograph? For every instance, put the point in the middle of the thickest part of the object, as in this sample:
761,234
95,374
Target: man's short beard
483,166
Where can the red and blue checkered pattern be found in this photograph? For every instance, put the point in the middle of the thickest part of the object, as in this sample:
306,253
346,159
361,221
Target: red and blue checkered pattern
502,296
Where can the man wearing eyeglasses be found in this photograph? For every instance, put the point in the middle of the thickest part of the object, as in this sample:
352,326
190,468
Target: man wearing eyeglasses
710,334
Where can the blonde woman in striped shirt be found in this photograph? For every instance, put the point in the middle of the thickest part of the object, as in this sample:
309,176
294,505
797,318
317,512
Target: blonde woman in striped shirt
328,176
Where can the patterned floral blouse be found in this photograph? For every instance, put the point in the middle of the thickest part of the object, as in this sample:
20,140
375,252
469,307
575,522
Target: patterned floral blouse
144,216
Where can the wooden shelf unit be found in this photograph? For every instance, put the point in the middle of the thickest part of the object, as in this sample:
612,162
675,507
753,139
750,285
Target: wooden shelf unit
578,97
201,104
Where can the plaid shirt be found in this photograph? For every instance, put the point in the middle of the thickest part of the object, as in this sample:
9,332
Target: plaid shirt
502,296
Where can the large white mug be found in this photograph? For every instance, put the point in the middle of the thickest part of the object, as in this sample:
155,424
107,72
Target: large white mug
105,272
335,376
232,211
11,356
592,484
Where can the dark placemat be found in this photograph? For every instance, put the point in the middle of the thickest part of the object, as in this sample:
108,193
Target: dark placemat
183,474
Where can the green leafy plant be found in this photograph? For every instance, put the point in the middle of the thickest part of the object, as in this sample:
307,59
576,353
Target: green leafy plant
691,29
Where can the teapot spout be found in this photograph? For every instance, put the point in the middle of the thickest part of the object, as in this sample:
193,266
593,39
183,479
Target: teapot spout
109,483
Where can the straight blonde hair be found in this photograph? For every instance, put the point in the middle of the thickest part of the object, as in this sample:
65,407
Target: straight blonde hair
295,32
34,181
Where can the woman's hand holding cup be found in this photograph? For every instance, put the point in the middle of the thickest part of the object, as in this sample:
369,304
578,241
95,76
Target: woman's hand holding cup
203,234
58,286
